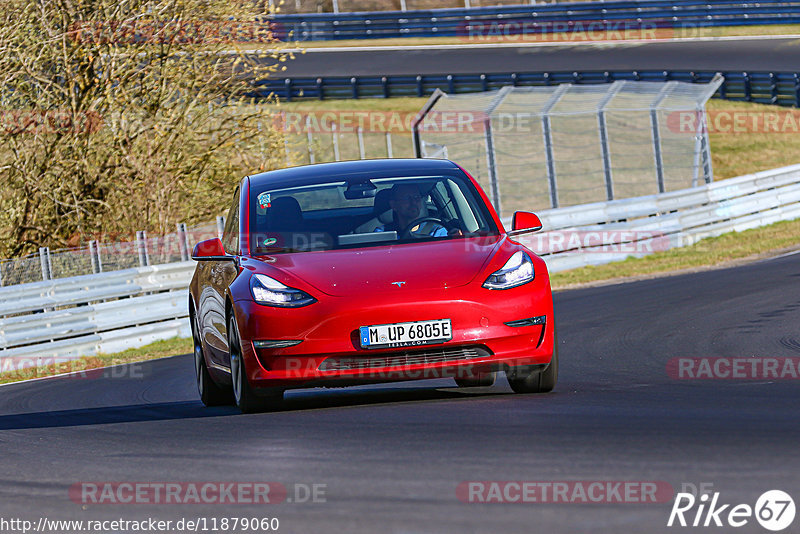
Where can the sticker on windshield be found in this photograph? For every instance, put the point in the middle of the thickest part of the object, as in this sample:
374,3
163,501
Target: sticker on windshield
264,200
270,241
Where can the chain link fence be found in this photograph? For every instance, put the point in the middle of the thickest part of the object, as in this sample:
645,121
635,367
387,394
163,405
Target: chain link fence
97,257
534,148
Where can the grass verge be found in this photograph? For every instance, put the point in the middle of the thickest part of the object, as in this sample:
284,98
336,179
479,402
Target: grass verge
728,249
58,366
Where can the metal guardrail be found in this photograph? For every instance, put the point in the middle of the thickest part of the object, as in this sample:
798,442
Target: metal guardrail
780,88
618,229
90,314
465,22
108,312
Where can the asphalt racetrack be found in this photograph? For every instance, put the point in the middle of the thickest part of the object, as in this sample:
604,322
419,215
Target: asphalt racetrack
729,54
390,458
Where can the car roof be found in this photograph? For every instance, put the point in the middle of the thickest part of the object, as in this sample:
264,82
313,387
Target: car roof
368,168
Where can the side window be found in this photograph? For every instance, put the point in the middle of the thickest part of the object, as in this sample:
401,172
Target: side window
230,236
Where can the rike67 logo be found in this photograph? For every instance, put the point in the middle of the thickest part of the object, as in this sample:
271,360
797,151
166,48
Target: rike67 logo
774,510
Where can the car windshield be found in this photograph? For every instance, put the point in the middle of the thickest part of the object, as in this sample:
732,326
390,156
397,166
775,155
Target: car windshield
366,212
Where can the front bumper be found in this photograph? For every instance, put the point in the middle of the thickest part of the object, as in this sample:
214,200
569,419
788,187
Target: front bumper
330,353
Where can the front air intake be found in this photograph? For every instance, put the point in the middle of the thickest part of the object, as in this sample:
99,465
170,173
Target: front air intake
403,359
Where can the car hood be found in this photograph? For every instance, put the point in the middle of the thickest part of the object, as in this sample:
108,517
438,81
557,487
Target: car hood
415,266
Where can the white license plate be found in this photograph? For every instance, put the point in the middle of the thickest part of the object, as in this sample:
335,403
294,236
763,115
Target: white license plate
405,334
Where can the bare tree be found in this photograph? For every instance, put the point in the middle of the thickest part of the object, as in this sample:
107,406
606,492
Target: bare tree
124,115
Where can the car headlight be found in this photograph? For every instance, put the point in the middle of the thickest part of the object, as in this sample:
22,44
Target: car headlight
270,292
518,270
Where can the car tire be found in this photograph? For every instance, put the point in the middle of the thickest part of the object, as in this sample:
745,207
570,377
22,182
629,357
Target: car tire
544,381
244,396
211,394
481,380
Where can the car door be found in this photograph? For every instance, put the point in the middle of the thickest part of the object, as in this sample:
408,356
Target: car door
218,275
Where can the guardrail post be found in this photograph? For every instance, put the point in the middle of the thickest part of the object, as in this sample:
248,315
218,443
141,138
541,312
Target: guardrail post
796,91
548,141
385,86
656,133
335,136
361,150
320,89
183,241
220,226
44,261
773,87
603,129
420,88
748,92
141,248
354,85
288,83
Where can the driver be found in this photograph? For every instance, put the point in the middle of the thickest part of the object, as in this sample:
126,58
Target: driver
406,204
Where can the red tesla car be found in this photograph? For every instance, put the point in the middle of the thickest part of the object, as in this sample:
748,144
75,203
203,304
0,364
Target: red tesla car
367,271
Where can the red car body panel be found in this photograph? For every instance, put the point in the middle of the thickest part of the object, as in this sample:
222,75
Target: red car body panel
354,288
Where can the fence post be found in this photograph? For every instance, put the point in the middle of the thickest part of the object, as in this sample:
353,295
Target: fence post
335,136
141,248
335,6
1,274
220,226
309,140
44,261
389,153
183,242
548,141
656,133
437,94
491,154
704,148
361,150
93,256
603,129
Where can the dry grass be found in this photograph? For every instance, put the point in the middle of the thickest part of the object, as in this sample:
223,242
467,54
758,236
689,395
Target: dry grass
159,349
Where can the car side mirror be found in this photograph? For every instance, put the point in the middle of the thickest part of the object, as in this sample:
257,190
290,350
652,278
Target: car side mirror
210,250
525,221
